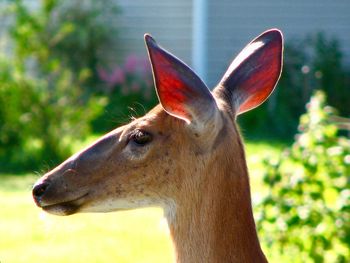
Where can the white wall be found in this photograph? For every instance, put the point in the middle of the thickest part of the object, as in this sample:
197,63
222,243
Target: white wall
233,23
168,21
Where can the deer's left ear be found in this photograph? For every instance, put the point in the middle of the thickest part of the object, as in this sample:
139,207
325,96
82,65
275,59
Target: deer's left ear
181,92
253,75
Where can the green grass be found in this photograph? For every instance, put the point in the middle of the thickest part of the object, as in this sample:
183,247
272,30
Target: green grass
29,235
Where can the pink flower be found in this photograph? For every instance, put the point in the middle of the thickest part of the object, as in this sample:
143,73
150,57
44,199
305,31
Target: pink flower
117,76
145,67
131,63
134,64
102,74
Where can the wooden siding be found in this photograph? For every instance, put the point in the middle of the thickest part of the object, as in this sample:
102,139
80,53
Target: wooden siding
168,21
232,24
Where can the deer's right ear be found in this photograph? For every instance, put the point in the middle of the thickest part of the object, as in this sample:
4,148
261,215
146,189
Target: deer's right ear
181,92
253,74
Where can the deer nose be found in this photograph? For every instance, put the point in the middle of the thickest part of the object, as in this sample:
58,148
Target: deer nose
39,190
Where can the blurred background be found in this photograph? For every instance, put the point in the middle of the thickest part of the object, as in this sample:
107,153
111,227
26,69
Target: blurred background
72,70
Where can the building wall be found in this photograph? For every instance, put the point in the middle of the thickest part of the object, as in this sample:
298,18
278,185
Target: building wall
233,23
168,21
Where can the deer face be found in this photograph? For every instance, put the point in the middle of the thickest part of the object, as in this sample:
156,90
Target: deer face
152,159
133,166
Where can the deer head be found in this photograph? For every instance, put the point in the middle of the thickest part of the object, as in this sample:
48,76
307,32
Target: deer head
182,152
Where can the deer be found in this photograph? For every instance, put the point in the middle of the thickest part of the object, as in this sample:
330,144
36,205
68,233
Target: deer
186,155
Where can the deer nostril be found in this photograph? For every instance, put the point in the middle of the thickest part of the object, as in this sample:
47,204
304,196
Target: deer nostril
40,189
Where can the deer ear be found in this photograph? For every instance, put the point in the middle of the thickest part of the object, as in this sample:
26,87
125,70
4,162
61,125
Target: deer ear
181,92
253,75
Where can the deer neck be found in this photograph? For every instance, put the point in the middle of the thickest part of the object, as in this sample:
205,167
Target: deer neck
215,223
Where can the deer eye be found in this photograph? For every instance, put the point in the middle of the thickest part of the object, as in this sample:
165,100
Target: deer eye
140,137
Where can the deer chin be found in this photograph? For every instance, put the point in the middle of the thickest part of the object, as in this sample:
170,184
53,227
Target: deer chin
65,208
105,205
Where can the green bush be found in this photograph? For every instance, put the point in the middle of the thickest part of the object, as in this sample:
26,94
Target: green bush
306,213
35,116
71,33
12,110
45,94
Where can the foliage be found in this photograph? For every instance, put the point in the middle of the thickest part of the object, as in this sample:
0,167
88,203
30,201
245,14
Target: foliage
12,111
306,213
43,88
73,33
127,85
35,115
315,62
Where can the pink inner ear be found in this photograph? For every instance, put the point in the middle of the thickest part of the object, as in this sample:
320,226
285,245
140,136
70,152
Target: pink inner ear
181,92
262,80
253,74
172,90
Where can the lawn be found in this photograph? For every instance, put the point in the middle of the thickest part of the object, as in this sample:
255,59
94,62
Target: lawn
29,235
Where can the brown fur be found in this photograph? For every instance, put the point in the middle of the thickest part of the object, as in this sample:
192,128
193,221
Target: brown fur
208,188
214,220
194,167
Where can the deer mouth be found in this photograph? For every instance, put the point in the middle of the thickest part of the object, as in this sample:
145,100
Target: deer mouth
64,208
